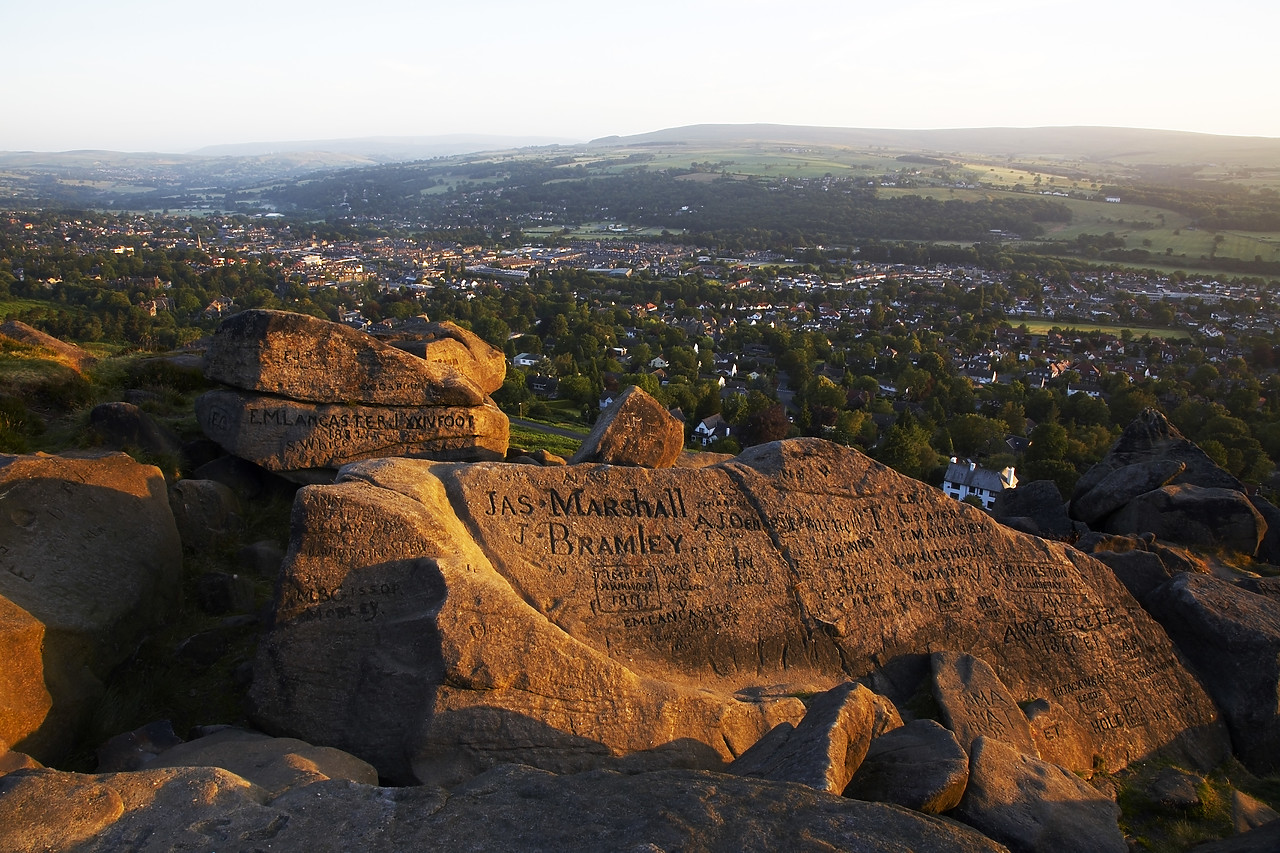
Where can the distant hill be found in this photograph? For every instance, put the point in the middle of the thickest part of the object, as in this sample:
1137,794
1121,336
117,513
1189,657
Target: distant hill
1118,144
388,149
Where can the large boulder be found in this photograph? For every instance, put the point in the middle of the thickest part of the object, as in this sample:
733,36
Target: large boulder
304,358
919,766
1193,515
1034,507
511,808
287,436
1123,485
123,426
1232,639
1151,438
824,750
975,702
91,552
635,430
435,619
1036,807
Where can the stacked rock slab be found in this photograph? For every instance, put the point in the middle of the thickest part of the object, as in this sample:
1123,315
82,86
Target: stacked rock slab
435,619
309,396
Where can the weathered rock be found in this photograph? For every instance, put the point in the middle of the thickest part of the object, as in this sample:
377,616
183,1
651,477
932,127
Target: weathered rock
1041,502
1193,515
1231,637
449,344
1035,807
919,766
206,512
44,810
975,702
509,809
92,553
824,749
436,619
635,430
287,436
1249,813
77,358
138,748
24,700
304,358
1150,437
11,761
273,764
122,426
1123,485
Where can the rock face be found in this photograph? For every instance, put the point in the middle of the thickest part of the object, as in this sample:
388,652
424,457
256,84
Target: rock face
435,619
89,550
1232,639
124,425
310,396
635,430
1035,807
509,809
286,435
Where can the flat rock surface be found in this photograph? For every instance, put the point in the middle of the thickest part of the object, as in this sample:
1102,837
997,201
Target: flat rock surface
305,358
88,547
508,809
435,619
285,435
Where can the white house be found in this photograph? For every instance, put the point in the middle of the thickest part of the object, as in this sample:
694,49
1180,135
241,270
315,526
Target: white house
711,428
967,478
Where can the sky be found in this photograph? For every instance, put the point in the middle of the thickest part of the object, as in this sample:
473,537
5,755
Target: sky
142,75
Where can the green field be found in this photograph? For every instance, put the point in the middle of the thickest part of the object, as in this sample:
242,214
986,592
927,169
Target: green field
1041,327
1142,227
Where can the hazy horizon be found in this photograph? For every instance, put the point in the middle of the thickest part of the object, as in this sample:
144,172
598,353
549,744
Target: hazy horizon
144,76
